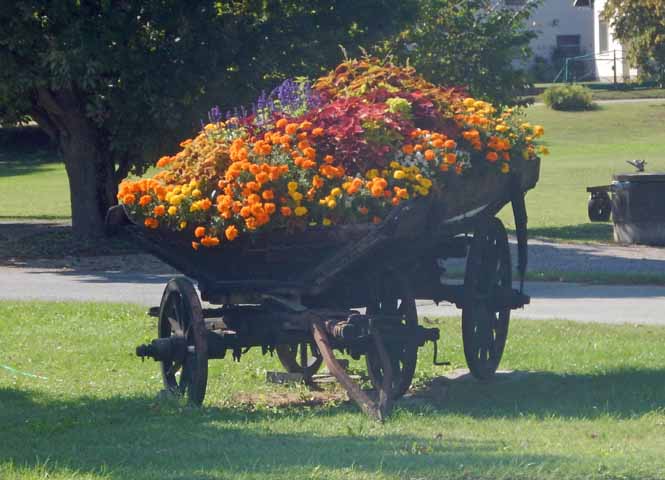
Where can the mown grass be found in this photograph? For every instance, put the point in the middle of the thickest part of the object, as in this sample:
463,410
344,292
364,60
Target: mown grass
589,404
587,148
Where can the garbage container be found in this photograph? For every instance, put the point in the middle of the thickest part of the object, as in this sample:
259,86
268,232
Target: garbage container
638,208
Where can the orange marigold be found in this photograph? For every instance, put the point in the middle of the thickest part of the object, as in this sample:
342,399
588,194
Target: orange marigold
199,232
144,200
231,232
159,210
210,241
129,199
492,156
151,222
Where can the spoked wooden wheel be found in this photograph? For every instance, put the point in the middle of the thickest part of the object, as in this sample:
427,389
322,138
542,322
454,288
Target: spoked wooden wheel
403,352
180,314
484,326
299,358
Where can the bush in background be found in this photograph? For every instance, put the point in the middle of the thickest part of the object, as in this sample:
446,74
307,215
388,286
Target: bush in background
568,97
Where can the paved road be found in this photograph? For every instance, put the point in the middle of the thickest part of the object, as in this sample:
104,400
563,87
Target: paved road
586,303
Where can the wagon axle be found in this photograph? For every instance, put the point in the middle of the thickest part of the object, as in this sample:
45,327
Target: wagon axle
353,334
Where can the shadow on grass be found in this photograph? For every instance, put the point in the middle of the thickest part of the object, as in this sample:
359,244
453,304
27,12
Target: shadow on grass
138,438
599,232
620,394
33,162
38,240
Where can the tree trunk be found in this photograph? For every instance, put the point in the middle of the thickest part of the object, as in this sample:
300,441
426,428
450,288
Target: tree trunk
91,185
90,168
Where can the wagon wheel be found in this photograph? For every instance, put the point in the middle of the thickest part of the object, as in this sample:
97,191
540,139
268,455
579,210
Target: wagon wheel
291,357
180,314
403,354
484,327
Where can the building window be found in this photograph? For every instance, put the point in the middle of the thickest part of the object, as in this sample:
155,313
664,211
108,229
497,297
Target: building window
603,36
568,45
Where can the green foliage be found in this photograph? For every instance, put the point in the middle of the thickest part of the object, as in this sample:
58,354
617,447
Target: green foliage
115,83
473,43
640,26
568,97
139,68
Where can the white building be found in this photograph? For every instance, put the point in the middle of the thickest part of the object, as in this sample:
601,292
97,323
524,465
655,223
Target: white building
565,29
560,27
610,57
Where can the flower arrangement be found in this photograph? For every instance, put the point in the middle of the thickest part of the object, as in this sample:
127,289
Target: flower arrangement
347,149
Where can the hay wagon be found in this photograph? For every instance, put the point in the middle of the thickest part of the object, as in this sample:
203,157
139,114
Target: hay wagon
348,288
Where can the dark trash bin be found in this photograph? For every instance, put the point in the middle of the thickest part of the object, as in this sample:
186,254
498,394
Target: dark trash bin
638,208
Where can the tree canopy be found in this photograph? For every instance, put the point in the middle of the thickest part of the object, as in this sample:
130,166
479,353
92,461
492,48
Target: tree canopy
109,80
478,44
640,26
115,83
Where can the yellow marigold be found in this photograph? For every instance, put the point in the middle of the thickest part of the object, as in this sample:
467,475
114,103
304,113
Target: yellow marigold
399,174
292,186
538,131
172,210
327,222
300,211
505,168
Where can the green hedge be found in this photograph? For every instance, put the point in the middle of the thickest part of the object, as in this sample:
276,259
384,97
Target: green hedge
568,97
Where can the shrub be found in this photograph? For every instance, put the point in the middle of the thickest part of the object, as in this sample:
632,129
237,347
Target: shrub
568,97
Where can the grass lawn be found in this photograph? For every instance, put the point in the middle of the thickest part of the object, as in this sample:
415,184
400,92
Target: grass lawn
590,408
586,149
33,184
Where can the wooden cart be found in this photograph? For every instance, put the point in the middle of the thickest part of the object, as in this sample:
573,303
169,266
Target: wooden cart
348,288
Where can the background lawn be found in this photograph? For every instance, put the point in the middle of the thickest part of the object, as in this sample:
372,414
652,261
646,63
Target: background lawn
587,148
592,408
33,184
